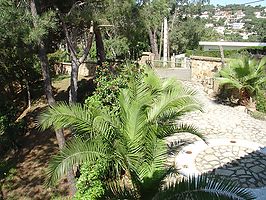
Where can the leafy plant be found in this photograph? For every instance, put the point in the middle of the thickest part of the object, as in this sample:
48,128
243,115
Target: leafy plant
90,184
110,80
203,187
261,102
132,140
132,143
245,76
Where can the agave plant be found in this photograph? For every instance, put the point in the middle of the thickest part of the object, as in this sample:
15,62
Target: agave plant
247,76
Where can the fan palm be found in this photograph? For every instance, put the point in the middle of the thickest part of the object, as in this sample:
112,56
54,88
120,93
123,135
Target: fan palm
246,75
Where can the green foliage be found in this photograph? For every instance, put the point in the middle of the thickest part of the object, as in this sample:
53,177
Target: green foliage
110,80
131,142
17,65
117,47
261,101
186,34
246,75
204,187
228,53
58,56
90,184
43,24
154,12
9,178
259,26
131,139
9,129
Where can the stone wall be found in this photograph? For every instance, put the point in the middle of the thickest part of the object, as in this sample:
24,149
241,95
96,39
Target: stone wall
85,69
204,69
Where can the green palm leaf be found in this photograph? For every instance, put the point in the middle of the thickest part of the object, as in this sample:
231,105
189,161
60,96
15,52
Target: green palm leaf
245,74
68,116
75,152
132,140
204,187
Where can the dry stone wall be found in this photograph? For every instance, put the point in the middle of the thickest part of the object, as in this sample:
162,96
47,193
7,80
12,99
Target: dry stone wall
85,69
204,69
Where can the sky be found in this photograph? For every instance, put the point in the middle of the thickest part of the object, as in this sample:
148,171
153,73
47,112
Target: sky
225,2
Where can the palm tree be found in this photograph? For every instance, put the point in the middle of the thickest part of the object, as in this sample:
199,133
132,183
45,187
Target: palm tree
203,187
247,76
132,141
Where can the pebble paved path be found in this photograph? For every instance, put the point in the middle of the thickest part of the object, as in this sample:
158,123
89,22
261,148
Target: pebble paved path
244,164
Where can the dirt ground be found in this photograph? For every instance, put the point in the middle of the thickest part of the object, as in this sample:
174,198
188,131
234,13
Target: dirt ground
26,166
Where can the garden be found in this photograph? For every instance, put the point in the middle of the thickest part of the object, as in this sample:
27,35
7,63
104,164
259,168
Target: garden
120,131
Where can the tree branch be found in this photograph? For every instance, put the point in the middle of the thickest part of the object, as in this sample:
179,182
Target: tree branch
88,45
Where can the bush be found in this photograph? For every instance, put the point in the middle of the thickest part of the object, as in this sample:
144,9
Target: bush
246,77
90,184
261,102
109,81
9,129
228,53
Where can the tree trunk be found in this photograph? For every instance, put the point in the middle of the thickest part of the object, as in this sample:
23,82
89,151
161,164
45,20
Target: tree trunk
49,92
45,72
165,42
99,45
28,93
161,43
155,44
222,55
73,92
75,62
153,41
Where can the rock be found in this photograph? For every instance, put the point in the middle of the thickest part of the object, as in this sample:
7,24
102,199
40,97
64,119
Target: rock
240,172
241,109
224,172
257,169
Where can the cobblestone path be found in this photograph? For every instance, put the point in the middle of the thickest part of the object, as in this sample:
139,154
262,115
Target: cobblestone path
236,144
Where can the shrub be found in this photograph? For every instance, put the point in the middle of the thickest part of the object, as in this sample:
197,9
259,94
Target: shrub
228,53
58,56
245,76
109,82
90,184
261,102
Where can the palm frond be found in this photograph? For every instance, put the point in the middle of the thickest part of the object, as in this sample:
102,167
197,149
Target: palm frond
181,103
204,187
75,152
154,158
231,82
117,189
165,131
65,116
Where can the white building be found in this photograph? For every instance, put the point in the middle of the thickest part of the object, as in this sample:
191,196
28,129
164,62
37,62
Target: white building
237,26
204,15
209,25
220,29
209,46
